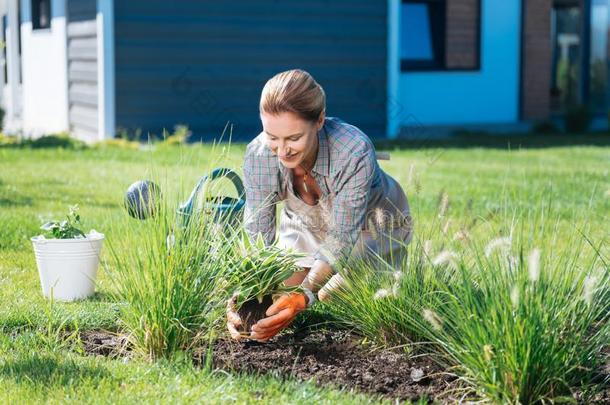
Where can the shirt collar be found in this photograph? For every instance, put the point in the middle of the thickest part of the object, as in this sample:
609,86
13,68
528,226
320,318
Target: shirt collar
322,165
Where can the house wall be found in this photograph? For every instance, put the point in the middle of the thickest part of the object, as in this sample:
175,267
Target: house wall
82,69
490,95
44,72
204,63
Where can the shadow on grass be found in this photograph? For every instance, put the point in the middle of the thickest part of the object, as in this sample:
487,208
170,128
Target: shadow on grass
17,201
14,199
497,141
46,371
100,296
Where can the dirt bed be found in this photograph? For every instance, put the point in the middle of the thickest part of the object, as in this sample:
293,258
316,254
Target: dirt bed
337,358
329,358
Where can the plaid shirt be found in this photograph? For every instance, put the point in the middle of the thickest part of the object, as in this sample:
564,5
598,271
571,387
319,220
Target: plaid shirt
346,169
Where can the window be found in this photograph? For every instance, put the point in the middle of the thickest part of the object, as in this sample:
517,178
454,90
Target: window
440,34
41,14
599,92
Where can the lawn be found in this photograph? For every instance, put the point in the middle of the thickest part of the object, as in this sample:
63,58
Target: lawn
560,194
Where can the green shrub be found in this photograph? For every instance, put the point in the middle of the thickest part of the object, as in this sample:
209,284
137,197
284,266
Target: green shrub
62,140
518,324
119,143
171,279
179,136
9,141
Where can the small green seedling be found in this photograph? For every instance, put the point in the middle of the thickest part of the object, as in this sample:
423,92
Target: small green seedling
66,229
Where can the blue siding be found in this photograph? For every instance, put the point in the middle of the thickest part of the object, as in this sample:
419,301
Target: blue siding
490,95
204,63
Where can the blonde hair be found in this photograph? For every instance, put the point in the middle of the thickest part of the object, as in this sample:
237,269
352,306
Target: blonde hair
293,91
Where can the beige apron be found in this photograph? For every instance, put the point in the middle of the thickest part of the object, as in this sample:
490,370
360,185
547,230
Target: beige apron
387,229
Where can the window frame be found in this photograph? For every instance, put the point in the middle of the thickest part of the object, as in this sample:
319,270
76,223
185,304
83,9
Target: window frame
439,62
35,13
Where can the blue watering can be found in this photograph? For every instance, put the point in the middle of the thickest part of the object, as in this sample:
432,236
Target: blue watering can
143,198
224,208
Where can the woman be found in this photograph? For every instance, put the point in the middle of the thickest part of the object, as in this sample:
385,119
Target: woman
338,203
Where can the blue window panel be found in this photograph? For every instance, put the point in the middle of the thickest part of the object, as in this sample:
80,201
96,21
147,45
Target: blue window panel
416,38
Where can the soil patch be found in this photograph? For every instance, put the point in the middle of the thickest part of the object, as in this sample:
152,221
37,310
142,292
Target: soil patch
104,343
327,357
337,358
253,311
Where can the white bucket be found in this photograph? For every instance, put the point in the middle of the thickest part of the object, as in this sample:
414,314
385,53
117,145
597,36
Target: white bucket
68,267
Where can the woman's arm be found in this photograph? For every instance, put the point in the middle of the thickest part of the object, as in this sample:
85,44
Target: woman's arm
262,192
352,190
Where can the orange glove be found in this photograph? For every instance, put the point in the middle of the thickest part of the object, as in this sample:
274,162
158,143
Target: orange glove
279,315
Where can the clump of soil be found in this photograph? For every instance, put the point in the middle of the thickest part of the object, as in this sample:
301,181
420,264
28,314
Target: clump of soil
253,311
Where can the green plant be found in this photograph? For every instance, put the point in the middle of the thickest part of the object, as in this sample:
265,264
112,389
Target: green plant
179,136
9,141
66,229
173,272
62,140
57,336
523,328
257,270
170,277
518,324
119,143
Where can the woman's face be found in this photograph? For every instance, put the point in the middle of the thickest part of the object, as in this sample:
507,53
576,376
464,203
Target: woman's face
292,139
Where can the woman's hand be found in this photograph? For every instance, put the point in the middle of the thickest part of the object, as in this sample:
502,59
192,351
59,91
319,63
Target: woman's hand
288,306
279,315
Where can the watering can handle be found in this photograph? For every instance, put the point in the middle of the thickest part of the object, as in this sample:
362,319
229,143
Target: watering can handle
216,173
234,177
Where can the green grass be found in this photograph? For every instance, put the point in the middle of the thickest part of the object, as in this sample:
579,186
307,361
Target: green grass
36,185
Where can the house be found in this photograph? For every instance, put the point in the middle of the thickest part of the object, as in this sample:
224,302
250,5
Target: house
390,67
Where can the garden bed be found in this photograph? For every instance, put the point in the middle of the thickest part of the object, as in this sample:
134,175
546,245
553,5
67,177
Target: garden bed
327,357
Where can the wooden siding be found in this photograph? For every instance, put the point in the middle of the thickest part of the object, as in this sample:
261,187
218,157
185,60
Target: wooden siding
203,63
82,68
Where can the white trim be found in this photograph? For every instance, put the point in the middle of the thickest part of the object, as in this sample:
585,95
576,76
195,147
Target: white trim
393,70
13,61
105,75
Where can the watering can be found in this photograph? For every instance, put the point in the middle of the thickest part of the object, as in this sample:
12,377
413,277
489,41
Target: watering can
143,198
224,208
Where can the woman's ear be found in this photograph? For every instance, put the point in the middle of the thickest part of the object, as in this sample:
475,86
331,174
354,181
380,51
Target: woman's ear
320,122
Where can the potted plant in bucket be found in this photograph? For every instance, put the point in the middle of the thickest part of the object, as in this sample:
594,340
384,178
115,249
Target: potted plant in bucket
67,258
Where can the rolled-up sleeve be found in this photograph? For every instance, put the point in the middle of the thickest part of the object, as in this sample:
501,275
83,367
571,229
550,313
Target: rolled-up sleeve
262,192
349,208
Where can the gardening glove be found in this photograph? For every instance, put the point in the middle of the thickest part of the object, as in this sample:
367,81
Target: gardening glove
321,277
279,315
333,284
233,319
